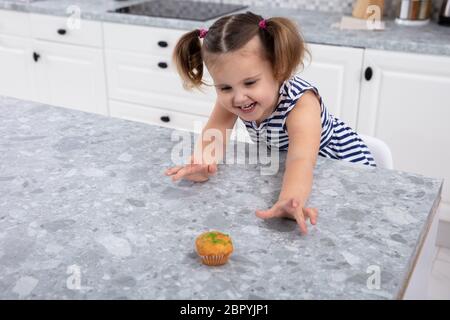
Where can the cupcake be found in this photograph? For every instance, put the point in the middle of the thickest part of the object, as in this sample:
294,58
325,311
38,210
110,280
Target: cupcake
214,248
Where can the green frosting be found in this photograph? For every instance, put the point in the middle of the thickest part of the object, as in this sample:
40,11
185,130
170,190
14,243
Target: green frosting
213,237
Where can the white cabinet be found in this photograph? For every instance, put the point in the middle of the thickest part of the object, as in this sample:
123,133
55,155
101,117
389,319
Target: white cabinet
157,116
15,55
151,80
70,76
40,61
66,30
336,72
14,23
142,81
16,64
406,103
68,66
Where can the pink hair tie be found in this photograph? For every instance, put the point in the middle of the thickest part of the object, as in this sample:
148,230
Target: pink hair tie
262,24
203,33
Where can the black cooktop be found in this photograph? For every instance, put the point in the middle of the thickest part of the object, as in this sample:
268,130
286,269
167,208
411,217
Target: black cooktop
176,9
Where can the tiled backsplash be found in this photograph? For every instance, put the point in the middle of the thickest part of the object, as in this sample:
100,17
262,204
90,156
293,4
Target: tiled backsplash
344,6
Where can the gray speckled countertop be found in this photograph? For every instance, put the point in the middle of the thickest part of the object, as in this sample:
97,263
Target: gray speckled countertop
86,213
316,26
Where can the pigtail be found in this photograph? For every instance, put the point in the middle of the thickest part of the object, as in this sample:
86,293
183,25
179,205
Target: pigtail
288,47
187,56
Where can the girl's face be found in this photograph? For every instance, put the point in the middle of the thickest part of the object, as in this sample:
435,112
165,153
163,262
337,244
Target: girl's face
244,82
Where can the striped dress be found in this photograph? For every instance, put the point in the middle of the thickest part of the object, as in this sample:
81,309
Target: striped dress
338,141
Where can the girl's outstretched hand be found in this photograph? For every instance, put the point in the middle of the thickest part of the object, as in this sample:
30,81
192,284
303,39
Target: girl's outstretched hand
290,208
193,172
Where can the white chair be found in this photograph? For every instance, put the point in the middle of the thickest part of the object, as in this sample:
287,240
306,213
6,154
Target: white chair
380,151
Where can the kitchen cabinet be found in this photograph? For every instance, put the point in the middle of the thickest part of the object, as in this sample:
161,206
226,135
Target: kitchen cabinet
66,30
14,23
16,73
151,80
336,72
70,76
158,116
15,62
68,66
405,101
42,58
142,81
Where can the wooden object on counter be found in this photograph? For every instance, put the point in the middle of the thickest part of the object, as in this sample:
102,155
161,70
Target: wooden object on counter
360,8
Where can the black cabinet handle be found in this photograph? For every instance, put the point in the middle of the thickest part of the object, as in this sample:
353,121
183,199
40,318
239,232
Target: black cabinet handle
165,119
36,56
368,73
163,44
162,65
62,31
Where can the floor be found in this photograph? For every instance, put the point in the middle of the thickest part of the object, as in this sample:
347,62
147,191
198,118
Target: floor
439,285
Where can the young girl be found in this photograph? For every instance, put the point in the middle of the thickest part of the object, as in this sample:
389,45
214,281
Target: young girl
251,61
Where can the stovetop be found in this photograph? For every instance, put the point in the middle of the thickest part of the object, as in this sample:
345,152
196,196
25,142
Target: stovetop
176,9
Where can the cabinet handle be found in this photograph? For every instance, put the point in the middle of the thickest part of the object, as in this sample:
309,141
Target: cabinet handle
162,65
36,56
368,73
163,44
165,119
62,31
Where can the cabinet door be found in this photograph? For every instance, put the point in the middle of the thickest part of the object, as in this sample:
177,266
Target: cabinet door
16,67
70,76
336,72
406,103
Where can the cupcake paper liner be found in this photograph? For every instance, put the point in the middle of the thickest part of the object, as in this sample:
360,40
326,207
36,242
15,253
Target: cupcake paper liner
215,260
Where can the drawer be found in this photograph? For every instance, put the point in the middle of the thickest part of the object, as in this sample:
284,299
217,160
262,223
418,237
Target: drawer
137,78
157,41
63,29
14,23
157,116
170,119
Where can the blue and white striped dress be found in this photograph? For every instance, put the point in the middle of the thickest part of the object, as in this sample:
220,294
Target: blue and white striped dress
338,141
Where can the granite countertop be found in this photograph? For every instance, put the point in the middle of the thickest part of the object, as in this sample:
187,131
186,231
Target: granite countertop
316,26
86,213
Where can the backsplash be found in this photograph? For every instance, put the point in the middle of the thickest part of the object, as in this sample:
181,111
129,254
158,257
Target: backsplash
344,6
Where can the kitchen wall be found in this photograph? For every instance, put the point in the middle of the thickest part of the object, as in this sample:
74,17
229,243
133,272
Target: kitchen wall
344,6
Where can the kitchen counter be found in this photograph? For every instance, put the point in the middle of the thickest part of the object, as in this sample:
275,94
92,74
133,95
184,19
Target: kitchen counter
86,213
316,26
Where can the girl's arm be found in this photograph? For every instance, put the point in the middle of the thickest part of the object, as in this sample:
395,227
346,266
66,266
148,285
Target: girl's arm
304,130
220,121
200,168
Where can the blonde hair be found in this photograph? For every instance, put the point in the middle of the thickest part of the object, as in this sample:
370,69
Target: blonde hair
282,42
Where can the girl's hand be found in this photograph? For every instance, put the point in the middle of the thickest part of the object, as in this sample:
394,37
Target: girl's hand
193,172
290,208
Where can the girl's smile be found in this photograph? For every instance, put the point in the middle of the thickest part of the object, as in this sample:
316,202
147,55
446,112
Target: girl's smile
248,108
